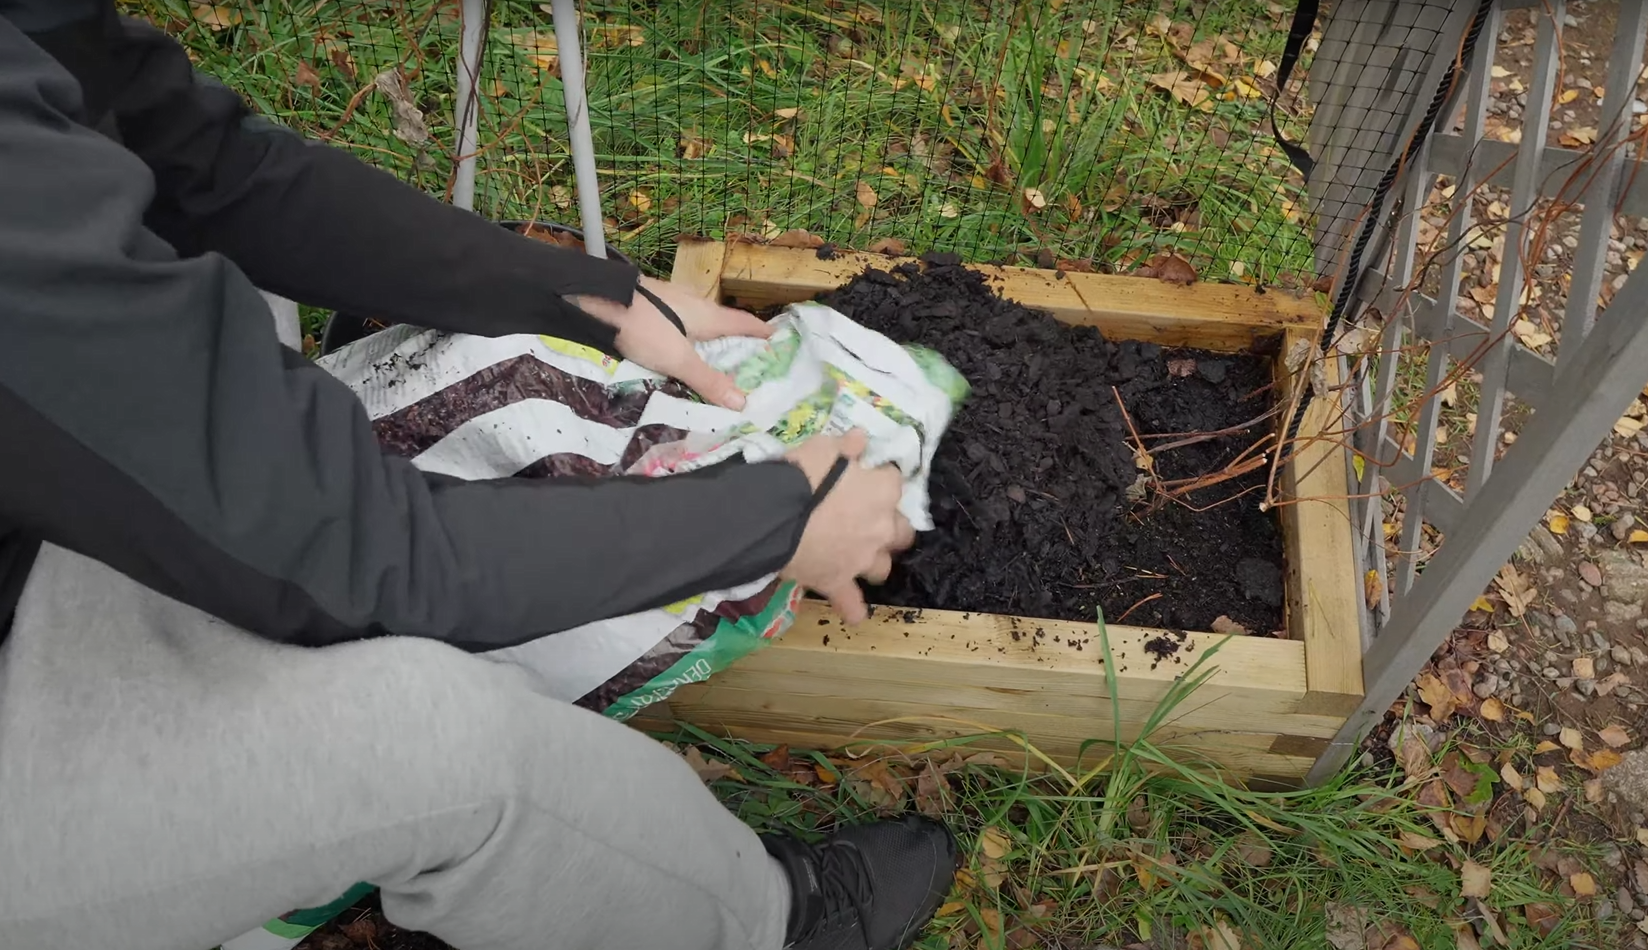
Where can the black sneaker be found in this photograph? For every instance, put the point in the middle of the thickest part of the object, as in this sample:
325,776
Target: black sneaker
869,887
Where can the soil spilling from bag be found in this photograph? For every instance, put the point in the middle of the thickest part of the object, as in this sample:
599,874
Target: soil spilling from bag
1030,489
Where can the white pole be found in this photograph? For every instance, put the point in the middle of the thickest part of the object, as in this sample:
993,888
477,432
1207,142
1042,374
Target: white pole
577,105
468,101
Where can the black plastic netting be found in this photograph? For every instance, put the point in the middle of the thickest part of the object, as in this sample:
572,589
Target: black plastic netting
1087,133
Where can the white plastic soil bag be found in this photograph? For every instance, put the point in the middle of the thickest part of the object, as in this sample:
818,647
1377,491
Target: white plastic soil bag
532,406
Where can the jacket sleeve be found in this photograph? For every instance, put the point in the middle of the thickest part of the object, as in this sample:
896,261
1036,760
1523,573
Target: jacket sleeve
153,422
312,222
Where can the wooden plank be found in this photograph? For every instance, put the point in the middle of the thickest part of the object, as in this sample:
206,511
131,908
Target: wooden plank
1240,762
717,705
1223,317
1323,589
869,679
698,266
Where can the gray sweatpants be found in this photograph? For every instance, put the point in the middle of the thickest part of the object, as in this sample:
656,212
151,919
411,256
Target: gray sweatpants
168,782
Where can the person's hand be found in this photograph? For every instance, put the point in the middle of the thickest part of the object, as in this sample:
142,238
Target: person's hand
648,338
855,531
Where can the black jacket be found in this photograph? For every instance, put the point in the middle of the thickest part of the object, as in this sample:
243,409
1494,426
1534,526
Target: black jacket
150,419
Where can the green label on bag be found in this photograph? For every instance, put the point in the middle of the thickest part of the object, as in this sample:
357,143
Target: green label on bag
732,641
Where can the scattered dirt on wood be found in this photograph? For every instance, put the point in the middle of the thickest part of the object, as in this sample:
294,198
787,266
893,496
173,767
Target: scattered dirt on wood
1030,490
363,927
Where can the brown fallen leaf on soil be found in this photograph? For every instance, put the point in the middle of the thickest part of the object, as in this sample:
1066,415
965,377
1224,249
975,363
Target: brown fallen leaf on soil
1475,880
1584,668
826,774
1584,884
879,786
1183,368
1437,695
1515,590
306,76
1417,841
798,237
1611,682
1571,738
932,791
1413,755
866,195
1545,778
1614,736
1253,850
778,759
1169,269
1185,87
1543,918
1220,936
1599,761
1492,710
709,770
1221,623
892,247
214,16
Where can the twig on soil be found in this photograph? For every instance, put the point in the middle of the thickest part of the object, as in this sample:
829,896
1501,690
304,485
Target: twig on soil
1141,458
1156,596
1196,437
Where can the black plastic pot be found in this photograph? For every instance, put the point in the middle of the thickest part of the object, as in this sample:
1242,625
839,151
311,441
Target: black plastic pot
343,329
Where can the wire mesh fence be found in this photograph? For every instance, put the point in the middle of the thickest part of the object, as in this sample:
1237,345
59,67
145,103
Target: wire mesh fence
1089,133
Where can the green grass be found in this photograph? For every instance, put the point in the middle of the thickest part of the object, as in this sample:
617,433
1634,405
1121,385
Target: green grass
948,111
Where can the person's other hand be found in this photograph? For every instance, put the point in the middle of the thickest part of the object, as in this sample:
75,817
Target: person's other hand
855,531
648,338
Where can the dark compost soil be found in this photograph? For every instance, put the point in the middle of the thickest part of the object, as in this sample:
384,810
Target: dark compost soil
1029,490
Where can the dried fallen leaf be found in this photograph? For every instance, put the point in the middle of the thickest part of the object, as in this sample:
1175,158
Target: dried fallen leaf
1544,746
1253,850
1558,523
709,770
1221,623
1567,96
1582,513
1417,841
307,76
1220,936
1498,642
1584,884
798,237
640,201
1534,797
1589,573
1437,695
1184,368
1611,682
1531,335
1601,760
1571,738
1593,791
1492,709
1584,668
1035,198
1614,736
1171,269
1482,605
1546,779
994,843
866,195
1185,87
1579,137
1542,918
1470,828
1515,590
1475,880
214,16
1637,536
892,247
1512,777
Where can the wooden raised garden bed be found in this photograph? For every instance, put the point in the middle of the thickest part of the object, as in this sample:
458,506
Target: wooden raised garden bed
910,677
